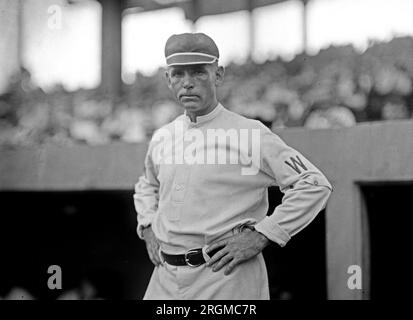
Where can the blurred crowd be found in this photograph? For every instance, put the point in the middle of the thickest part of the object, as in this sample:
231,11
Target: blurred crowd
338,87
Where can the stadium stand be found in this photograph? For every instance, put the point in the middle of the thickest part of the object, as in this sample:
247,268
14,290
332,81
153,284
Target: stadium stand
338,87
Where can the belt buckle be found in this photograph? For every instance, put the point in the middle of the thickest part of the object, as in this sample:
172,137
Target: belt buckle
189,252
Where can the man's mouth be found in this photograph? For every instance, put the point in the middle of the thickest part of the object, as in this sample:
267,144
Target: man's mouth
188,97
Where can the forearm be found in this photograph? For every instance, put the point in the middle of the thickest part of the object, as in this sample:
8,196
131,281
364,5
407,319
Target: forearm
299,207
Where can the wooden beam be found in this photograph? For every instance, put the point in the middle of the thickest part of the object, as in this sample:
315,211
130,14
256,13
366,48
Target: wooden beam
111,81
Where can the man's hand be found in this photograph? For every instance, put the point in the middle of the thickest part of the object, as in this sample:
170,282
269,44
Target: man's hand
236,249
152,245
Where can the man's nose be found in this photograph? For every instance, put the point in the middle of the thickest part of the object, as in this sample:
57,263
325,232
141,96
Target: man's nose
188,81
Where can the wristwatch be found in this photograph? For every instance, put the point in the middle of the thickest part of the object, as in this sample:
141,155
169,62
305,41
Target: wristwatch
247,226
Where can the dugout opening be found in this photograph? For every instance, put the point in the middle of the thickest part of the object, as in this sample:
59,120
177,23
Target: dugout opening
387,207
90,235
298,270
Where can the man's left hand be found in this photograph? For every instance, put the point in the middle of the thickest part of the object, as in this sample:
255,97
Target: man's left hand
236,249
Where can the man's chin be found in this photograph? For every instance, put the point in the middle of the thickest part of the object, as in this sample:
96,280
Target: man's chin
190,106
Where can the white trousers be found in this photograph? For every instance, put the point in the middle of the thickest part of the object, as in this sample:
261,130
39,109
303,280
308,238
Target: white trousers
247,281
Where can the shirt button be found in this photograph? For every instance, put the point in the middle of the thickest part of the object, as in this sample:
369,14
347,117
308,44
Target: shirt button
315,182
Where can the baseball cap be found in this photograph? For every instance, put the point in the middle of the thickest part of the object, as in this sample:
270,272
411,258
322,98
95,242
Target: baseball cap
190,48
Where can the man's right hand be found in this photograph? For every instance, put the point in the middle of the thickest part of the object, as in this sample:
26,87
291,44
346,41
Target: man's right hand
152,245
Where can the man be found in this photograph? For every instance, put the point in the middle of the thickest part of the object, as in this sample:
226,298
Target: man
202,200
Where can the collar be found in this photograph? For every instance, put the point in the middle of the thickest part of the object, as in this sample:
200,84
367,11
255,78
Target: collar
206,117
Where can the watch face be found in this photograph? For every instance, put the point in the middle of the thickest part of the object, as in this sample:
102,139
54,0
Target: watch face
245,226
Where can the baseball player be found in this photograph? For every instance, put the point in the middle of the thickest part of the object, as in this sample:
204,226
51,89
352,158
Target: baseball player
202,200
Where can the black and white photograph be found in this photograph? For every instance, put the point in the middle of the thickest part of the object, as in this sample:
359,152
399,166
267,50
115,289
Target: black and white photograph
220,151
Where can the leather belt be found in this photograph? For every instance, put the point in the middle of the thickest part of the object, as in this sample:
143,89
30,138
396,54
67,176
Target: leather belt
192,258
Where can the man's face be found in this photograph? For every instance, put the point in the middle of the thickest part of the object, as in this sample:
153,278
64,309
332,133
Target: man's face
194,86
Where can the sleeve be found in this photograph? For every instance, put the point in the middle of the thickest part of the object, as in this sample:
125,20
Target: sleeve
306,190
146,194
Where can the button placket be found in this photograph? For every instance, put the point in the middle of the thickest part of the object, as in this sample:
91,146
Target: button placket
181,178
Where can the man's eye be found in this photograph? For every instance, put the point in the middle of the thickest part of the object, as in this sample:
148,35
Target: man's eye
176,73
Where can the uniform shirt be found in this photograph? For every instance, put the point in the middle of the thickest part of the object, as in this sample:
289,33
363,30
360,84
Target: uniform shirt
200,183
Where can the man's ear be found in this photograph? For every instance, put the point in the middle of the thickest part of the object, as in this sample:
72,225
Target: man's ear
168,79
219,75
